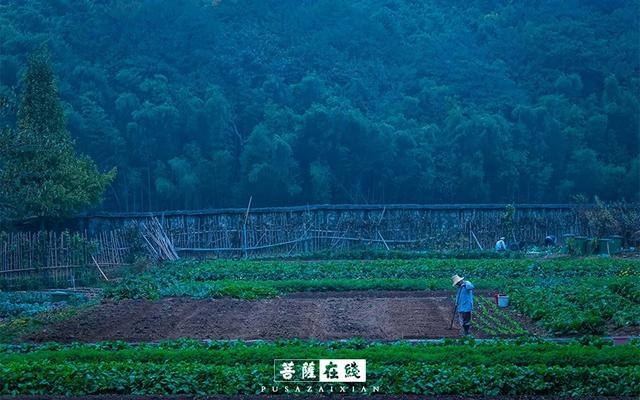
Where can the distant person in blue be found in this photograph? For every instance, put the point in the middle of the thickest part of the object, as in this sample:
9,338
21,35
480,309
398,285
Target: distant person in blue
464,301
500,245
550,240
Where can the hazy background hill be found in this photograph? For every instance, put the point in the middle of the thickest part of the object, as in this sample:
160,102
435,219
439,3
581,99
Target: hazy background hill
204,104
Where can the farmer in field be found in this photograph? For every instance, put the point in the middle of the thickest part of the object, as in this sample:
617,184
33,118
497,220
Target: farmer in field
464,301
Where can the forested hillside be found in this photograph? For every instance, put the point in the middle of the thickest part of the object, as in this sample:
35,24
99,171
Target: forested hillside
202,104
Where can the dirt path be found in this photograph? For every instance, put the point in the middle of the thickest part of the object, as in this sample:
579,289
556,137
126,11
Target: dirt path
370,315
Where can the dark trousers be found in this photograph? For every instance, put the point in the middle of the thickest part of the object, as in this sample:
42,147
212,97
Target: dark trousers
465,321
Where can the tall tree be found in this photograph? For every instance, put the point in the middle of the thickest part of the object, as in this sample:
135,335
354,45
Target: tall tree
40,174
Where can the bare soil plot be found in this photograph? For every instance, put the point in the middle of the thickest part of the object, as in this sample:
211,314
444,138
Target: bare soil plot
387,315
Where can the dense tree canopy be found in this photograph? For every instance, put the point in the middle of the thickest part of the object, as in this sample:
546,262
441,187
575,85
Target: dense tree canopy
203,104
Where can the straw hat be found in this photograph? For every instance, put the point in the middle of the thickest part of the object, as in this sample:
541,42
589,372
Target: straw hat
456,279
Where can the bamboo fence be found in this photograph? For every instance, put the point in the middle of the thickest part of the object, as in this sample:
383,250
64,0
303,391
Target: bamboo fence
56,259
282,231
293,230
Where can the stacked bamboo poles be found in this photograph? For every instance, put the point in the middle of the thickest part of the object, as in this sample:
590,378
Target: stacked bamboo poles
157,241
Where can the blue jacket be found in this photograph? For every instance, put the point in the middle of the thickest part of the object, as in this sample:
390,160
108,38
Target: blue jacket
465,297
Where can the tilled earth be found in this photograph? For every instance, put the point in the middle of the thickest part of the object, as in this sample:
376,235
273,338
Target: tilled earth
383,315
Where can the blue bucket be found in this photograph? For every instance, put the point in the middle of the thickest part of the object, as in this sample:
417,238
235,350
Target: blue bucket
503,301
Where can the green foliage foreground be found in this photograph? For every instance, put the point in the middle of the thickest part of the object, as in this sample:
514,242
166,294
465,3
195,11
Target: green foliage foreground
223,367
566,296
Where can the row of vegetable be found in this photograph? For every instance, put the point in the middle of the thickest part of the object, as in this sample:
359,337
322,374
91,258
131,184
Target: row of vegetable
586,351
380,254
20,304
254,278
23,312
203,271
580,305
496,367
495,321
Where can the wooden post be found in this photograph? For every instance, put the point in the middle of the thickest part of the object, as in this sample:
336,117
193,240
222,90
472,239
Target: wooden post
383,241
476,239
99,269
244,229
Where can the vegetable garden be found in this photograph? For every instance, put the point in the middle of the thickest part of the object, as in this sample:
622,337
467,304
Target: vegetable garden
566,296
216,327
